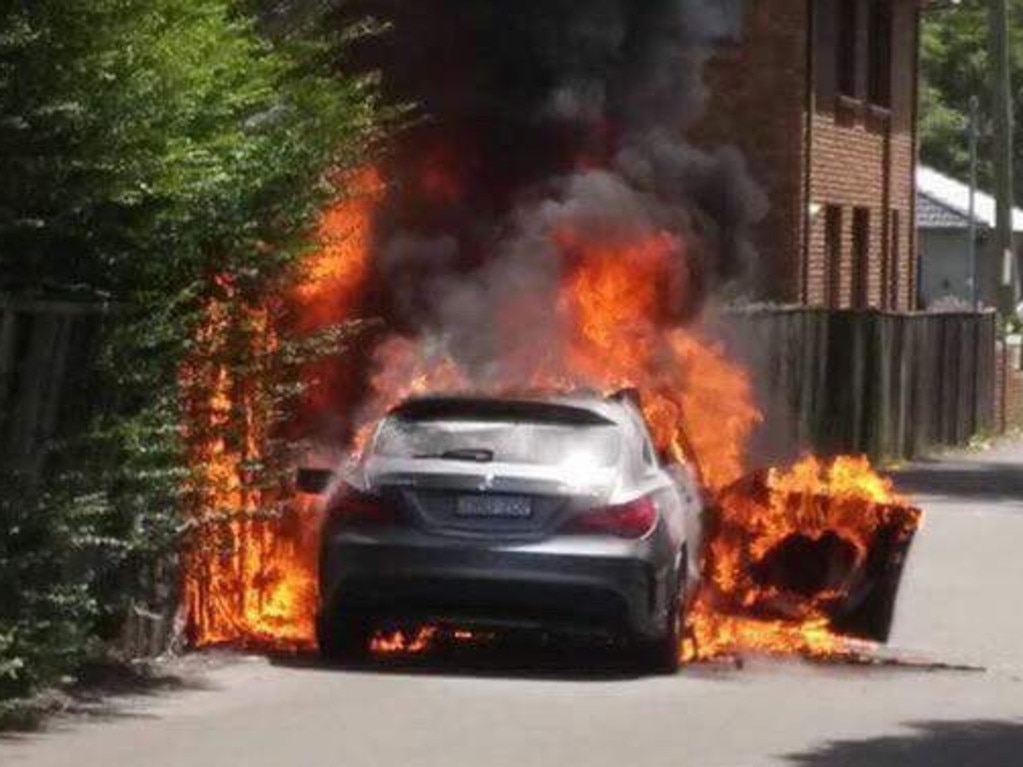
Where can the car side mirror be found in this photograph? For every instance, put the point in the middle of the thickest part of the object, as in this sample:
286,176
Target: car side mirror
313,481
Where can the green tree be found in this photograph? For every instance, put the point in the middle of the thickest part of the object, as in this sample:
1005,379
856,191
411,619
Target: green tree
145,143
956,66
153,151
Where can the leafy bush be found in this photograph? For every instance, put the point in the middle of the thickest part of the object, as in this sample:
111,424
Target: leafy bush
956,66
47,610
153,151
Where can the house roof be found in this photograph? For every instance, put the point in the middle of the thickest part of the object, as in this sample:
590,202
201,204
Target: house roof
931,214
944,203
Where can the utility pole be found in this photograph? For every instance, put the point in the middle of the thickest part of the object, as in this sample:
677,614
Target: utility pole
998,22
971,245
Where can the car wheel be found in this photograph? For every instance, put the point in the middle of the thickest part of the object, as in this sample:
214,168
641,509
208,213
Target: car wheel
342,636
663,656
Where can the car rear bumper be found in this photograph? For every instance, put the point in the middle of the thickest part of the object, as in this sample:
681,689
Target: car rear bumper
585,584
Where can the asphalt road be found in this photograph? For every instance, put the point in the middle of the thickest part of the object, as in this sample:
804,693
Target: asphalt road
960,605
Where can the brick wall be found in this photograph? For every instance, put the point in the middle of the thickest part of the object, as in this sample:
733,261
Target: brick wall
757,103
850,169
773,96
864,157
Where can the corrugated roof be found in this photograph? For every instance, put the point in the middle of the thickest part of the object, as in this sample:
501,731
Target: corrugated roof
931,214
945,201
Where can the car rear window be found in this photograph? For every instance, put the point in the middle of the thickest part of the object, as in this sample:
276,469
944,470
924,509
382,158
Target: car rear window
519,442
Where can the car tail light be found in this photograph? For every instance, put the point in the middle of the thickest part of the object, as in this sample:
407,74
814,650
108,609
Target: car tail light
630,520
353,507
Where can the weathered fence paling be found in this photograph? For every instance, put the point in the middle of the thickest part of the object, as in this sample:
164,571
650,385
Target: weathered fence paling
46,350
885,384
890,385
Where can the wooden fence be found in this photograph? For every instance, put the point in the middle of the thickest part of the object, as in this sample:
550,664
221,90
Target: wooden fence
46,354
889,385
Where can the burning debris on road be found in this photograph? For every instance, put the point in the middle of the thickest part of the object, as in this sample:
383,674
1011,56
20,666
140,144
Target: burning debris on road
550,228
801,560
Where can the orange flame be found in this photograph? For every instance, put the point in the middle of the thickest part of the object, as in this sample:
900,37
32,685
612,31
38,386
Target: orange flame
617,319
401,643
420,640
244,579
787,553
250,574
614,314
334,275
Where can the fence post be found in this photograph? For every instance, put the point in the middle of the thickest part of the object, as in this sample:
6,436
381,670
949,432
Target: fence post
42,345
892,385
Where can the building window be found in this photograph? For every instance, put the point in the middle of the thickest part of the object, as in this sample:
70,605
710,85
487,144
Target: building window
847,48
861,258
879,74
893,260
833,256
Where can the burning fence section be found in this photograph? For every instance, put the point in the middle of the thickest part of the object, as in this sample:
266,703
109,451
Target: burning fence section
250,564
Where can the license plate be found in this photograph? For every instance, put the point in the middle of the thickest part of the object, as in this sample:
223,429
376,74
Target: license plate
494,506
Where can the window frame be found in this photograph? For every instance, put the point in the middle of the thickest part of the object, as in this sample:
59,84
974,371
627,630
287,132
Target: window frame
833,219
859,290
880,41
847,49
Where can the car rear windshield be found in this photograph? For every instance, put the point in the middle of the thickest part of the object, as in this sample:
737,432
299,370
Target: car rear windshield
544,443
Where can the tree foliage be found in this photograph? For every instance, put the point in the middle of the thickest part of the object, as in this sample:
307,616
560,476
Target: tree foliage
144,143
154,152
956,66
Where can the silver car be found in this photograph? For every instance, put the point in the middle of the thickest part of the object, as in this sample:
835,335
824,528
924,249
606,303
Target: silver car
552,513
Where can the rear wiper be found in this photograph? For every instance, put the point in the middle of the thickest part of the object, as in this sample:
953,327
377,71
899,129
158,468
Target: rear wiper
478,454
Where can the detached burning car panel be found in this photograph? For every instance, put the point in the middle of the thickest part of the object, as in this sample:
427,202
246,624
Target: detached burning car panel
538,513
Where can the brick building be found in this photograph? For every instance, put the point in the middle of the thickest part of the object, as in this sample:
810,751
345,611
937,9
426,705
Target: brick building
820,96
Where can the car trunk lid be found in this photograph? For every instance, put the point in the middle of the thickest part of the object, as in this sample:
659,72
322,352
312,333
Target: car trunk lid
497,502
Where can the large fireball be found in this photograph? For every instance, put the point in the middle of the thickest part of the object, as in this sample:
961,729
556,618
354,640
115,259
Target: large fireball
796,559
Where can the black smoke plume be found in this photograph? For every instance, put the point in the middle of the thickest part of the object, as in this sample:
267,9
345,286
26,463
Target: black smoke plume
536,116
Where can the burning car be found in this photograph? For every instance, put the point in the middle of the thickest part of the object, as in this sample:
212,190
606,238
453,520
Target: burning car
537,512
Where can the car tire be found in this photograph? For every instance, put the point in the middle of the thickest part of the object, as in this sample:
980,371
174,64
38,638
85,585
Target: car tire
342,637
663,655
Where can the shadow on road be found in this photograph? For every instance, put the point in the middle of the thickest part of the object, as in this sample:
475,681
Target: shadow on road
101,692
587,665
982,743
967,480
562,662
